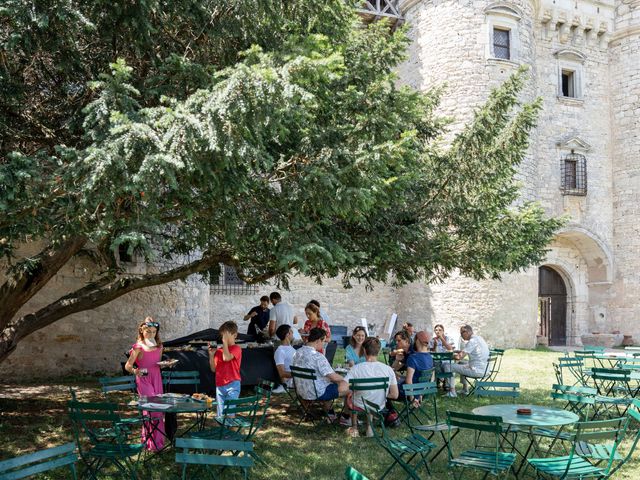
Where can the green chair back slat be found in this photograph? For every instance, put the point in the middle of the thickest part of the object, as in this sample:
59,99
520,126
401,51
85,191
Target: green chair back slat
208,444
497,389
593,348
481,423
118,384
171,377
240,405
303,373
368,384
38,462
208,459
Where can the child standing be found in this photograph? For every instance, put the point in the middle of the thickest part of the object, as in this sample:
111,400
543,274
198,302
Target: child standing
225,363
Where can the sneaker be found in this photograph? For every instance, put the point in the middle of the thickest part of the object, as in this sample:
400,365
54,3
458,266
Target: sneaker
452,394
464,392
370,432
331,417
345,421
353,432
279,389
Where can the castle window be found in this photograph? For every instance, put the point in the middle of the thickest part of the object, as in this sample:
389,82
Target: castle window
568,83
501,43
229,283
502,24
573,174
123,253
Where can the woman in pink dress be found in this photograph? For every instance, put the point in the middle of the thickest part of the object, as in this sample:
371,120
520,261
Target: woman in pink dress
145,354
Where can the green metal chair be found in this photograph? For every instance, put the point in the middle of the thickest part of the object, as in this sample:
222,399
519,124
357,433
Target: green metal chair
402,450
424,418
42,461
352,474
171,378
579,400
108,439
362,385
473,381
489,460
205,455
599,453
440,359
614,391
575,366
238,420
299,375
597,432
593,348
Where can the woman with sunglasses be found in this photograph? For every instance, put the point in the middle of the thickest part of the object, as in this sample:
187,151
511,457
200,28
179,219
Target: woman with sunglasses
143,363
354,353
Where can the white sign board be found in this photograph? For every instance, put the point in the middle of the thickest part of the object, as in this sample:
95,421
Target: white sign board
392,324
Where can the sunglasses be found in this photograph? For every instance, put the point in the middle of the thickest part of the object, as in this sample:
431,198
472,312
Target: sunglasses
152,324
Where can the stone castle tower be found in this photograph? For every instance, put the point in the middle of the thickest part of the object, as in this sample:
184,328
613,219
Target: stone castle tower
584,162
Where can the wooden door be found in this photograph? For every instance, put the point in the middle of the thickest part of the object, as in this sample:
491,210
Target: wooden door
552,298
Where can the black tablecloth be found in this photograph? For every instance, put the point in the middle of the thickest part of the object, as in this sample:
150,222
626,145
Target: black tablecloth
257,363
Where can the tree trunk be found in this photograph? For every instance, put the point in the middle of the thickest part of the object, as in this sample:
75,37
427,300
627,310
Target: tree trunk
94,295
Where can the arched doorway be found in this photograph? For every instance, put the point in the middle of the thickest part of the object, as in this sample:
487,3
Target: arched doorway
552,306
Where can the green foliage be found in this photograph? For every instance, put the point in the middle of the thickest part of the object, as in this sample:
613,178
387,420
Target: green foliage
273,132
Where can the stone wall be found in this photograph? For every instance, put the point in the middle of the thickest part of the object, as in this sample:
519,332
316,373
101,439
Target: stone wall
625,114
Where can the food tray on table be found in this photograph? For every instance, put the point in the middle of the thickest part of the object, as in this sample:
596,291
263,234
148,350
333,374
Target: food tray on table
173,395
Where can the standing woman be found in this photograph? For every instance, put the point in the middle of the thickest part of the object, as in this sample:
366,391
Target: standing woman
315,321
143,363
354,353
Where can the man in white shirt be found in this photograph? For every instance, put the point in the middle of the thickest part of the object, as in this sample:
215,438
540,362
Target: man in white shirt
328,384
284,356
280,314
372,368
477,350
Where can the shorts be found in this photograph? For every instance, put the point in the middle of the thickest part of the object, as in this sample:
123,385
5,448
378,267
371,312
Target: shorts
330,393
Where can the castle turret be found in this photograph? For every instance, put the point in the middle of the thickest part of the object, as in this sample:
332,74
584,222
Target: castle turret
625,115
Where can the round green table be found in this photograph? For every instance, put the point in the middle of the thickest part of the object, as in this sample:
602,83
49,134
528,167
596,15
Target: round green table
541,417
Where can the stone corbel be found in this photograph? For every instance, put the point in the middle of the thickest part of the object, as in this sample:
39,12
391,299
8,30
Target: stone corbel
575,28
562,28
602,36
588,32
547,24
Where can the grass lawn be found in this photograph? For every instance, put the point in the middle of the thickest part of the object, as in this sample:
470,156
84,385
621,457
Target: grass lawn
33,416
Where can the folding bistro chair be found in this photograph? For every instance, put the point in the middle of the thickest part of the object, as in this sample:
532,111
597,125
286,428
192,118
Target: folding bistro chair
41,461
600,432
362,385
499,353
614,391
473,381
442,358
205,455
498,390
299,375
402,450
424,418
171,378
575,367
108,439
490,460
238,416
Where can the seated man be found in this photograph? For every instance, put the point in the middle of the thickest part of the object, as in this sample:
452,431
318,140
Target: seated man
371,368
327,381
478,352
284,356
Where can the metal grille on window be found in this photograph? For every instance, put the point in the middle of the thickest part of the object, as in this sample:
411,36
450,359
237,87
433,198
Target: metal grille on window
573,169
230,283
501,45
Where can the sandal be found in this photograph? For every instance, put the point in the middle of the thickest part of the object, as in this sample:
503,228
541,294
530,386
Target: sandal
353,432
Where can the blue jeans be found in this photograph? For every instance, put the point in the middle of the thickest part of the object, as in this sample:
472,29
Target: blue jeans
229,391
